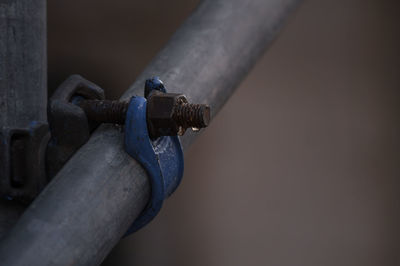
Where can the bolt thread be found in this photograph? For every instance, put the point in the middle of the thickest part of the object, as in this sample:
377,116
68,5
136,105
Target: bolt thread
192,115
105,111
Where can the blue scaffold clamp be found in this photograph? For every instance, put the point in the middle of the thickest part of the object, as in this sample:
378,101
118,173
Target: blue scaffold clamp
162,157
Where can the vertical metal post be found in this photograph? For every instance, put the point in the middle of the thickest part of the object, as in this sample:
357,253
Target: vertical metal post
23,76
23,62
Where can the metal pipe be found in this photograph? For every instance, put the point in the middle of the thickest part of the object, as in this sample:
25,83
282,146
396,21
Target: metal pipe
23,62
23,77
92,201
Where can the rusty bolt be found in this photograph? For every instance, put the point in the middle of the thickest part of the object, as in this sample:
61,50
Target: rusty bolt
168,114
104,111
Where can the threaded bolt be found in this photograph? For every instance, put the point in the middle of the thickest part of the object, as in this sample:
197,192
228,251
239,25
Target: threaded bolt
191,115
104,111
185,115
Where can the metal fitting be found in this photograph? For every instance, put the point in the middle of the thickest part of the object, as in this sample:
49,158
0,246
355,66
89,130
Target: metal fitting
168,114
103,111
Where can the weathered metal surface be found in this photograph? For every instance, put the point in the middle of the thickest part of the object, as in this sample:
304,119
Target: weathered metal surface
92,201
23,98
162,158
22,161
69,126
104,111
23,71
168,114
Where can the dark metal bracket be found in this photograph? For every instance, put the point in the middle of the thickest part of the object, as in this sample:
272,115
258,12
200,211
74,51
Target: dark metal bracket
31,156
69,125
22,164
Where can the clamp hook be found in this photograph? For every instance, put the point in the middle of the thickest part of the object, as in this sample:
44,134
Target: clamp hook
162,159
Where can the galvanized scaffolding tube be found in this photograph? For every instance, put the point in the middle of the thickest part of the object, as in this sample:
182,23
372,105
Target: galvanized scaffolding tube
23,81
93,200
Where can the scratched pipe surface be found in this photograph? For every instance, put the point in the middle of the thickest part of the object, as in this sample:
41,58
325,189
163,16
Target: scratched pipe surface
23,77
87,208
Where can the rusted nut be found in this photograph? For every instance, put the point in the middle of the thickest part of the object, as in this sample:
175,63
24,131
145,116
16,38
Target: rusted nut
161,108
170,114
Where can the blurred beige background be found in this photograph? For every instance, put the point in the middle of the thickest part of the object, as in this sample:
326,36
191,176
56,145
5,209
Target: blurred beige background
302,165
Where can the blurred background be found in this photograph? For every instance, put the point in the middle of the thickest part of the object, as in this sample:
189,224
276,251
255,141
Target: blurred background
302,165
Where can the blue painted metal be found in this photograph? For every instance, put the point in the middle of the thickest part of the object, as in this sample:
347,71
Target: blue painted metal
152,84
162,158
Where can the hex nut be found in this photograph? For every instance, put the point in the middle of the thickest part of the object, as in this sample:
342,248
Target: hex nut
160,114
